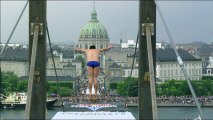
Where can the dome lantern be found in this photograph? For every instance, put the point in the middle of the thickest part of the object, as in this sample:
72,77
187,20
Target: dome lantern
94,15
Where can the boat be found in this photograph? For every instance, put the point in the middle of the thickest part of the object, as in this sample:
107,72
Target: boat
19,100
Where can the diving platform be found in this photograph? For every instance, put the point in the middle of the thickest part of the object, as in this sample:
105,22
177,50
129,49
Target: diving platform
93,116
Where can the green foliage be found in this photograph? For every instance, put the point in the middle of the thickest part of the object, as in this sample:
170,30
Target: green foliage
52,89
122,88
169,87
128,87
113,85
62,84
181,88
9,82
64,91
207,78
22,86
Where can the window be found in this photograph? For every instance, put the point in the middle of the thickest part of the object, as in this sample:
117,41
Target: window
117,74
161,72
171,72
168,72
136,73
129,73
112,73
93,33
181,72
100,32
164,74
208,71
193,71
123,73
101,46
87,33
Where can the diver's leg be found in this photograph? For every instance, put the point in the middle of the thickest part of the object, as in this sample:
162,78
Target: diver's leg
91,76
96,72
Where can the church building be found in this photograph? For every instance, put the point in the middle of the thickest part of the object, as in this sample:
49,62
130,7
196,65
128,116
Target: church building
93,33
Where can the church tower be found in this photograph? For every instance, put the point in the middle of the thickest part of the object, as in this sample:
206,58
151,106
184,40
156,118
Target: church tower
93,33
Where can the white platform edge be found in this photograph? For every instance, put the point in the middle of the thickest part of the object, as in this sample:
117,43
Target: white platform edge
93,116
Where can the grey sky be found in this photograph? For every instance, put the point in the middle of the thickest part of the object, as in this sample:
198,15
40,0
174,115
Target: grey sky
188,21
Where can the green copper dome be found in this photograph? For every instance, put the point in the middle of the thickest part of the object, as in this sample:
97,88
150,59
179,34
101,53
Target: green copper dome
94,29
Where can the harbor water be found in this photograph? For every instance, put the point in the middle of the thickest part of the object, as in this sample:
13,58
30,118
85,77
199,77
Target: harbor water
164,113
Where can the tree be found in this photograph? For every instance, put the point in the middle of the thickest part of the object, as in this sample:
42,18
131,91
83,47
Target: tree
207,78
181,88
113,85
64,91
129,86
122,88
22,86
207,85
10,81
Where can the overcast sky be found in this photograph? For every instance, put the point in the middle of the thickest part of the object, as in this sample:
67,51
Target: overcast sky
188,21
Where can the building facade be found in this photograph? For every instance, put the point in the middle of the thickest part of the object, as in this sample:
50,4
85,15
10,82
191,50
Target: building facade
167,67
15,59
208,67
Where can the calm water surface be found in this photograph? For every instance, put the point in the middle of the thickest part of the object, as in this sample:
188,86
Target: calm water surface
167,113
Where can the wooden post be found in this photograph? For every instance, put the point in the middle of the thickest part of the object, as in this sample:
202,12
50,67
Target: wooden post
147,15
0,80
36,93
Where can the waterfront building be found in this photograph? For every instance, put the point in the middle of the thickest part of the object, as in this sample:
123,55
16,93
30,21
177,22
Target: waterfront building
65,64
62,68
208,67
167,67
114,70
129,44
118,57
15,59
117,64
